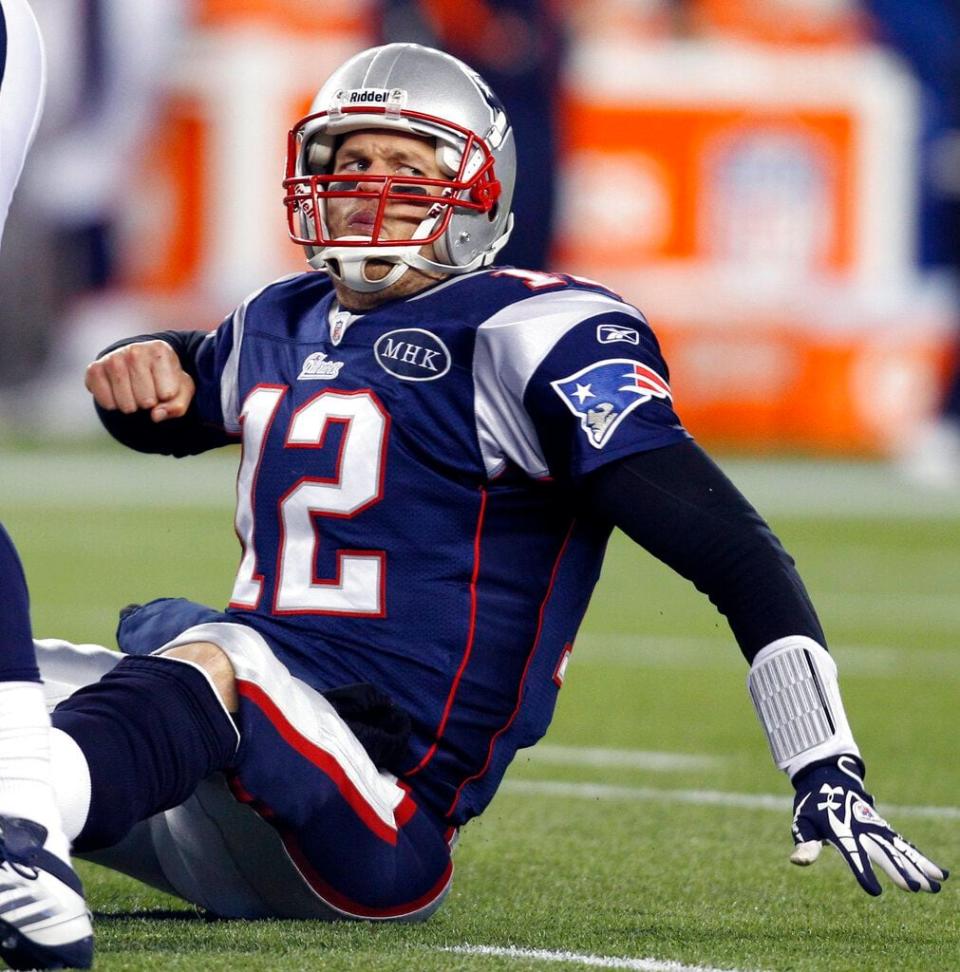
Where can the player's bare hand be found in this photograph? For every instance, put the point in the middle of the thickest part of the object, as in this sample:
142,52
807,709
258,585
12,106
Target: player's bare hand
146,375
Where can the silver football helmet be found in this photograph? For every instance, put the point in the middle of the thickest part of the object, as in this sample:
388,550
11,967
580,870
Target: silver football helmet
420,91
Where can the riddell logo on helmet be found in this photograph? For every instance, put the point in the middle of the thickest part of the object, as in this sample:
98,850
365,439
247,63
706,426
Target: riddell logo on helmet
372,96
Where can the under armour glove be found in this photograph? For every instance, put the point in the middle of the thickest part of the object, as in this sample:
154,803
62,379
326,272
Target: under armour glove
832,805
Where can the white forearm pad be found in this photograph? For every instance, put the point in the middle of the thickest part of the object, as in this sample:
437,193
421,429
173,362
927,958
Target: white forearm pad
793,684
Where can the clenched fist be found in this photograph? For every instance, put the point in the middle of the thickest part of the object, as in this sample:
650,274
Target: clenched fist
146,375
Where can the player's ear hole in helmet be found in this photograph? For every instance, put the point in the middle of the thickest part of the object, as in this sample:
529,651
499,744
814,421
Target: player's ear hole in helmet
411,90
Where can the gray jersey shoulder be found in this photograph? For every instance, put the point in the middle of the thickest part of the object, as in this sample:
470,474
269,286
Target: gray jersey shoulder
511,346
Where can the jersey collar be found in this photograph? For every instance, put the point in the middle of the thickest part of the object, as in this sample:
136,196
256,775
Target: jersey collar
338,320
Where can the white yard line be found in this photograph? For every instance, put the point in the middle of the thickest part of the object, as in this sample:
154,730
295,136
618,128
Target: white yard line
119,479
578,958
748,801
934,610
618,758
824,488
835,488
721,653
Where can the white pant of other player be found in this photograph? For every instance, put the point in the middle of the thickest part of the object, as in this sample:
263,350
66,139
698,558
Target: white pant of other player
22,82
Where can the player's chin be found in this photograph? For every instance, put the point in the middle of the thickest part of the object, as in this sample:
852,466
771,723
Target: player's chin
377,269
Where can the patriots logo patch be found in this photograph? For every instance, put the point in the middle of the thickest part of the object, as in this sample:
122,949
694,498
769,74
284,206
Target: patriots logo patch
319,367
602,395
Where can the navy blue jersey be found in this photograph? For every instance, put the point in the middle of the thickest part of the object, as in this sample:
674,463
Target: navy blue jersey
404,496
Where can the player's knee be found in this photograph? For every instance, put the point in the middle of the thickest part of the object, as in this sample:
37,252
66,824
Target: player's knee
150,730
214,661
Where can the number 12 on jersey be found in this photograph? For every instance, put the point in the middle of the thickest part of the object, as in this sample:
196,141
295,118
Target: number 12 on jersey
356,485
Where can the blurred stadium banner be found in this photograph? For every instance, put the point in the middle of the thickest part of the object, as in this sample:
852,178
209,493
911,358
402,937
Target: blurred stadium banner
757,203
752,189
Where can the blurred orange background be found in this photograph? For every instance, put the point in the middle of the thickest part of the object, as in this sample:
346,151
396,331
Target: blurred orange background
744,172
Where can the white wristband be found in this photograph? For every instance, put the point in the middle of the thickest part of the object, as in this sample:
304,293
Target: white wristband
794,687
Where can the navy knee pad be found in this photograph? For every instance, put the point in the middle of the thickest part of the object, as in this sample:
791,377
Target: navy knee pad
151,730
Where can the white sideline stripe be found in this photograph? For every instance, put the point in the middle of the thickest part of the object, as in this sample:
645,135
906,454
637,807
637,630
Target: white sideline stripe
720,653
578,958
822,488
748,801
835,488
111,480
623,758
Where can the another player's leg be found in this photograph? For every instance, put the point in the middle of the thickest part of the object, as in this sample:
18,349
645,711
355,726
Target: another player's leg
131,738
22,73
44,921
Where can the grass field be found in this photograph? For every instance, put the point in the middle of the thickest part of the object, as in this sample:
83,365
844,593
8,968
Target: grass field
651,827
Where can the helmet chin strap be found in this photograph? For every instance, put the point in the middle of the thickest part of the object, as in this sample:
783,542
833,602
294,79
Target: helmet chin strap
355,277
348,264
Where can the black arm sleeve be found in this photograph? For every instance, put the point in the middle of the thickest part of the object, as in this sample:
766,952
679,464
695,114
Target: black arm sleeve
184,436
677,504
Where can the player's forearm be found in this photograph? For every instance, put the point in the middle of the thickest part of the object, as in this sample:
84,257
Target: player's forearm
680,507
683,509
181,436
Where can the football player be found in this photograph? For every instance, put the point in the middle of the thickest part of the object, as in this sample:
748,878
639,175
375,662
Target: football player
435,450
43,919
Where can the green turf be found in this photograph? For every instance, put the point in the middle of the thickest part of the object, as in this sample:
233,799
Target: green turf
654,669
